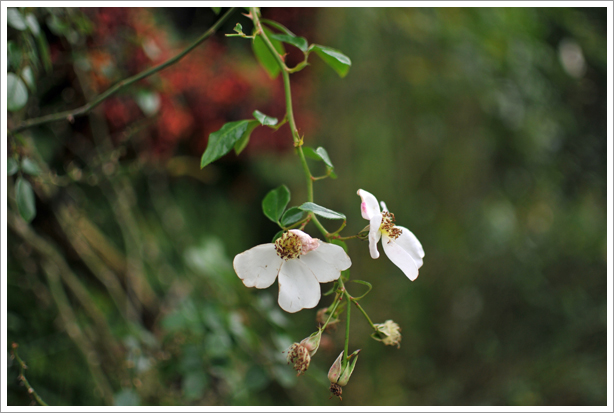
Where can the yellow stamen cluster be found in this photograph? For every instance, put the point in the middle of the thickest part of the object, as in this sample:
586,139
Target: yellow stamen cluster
387,227
289,246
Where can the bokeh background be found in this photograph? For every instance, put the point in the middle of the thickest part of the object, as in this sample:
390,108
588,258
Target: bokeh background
483,129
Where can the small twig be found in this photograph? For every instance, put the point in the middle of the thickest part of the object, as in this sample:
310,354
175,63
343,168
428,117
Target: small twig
22,376
70,115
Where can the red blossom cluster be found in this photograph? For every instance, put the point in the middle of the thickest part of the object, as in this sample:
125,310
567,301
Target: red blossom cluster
210,86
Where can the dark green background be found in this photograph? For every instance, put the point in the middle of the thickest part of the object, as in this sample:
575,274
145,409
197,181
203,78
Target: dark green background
468,124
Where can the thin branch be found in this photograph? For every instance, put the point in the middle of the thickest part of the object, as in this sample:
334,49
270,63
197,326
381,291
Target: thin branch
69,115
22,375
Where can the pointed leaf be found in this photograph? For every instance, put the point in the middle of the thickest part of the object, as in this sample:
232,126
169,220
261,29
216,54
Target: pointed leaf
324,156
339,62
29,167
15,19
321,211
275,202
292,216
33,24
28,76
223,140
12,166
264,119
299,42
14,54
26,203
264,55
242,143
16,92
216,10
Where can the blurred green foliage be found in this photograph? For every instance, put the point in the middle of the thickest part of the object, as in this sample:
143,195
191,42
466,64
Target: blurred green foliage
484,131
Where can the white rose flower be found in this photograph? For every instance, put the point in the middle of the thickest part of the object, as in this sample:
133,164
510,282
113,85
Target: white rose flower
400,244
301,262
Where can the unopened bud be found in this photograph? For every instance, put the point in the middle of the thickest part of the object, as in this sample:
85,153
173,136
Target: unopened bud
312,342
388,333
338,374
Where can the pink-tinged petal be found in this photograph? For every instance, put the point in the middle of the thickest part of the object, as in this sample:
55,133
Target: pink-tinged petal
327,262
369,207
400,257
408,241
308,243
298,286
384,207
258,267
374,235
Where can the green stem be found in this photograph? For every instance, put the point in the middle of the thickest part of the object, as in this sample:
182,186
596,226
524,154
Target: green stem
364,313
71,114
332,311
22,376
347,329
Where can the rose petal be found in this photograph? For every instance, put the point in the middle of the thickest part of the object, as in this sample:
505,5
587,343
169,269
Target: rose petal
258,267
327,262
298,286
384,207
408,241
308,243
369,207
374,235
400,257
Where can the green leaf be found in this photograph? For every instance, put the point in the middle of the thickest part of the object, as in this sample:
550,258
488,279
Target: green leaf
12,166
291,216
14,54
33,24
278,26
299,42
16,92
275,202
321,211
15,19
238,28
194,384
264,55
264,119
223,140
26,203
29,167
127,397
216,10
28,76
148,101
334,58
242,143
324,156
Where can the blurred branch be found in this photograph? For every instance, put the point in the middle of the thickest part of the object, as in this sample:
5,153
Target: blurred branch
68,218
22,376
50,253
69,115
54,266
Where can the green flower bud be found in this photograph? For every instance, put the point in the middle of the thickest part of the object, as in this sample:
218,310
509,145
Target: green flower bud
312,342
341,375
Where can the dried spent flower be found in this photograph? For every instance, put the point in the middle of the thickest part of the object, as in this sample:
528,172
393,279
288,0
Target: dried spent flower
388,333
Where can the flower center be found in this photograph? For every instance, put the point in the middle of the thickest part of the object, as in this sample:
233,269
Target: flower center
388,228
288,246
